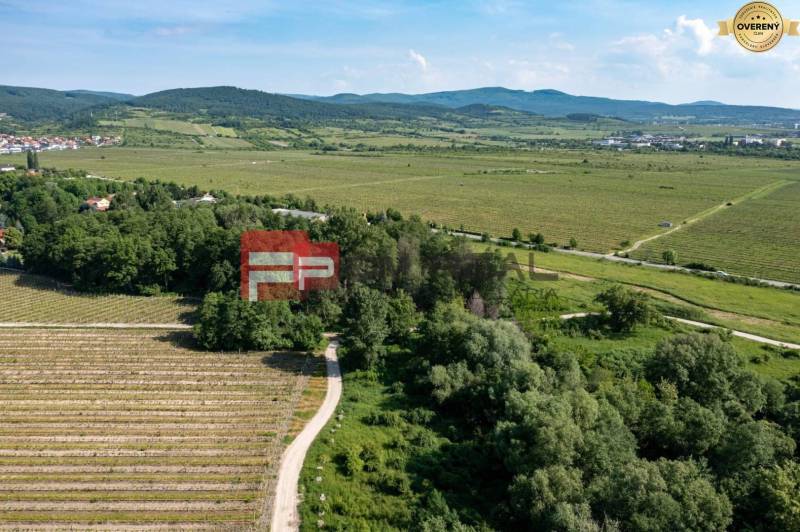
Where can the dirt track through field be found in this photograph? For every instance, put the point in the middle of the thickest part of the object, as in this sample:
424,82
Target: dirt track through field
284,512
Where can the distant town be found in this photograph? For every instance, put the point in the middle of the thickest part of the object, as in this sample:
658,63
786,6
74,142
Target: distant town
20,144
671,142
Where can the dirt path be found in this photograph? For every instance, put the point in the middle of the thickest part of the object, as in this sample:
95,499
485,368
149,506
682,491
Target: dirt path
284,512
705,214
703,325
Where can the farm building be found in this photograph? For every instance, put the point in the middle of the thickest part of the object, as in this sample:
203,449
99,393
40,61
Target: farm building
309,215
665,224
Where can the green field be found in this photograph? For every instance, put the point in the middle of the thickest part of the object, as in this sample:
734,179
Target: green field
770,312
759,237
600,198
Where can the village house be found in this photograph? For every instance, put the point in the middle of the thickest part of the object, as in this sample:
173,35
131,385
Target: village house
99,204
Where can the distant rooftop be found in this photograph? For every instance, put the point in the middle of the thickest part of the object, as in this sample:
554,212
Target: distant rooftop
310,215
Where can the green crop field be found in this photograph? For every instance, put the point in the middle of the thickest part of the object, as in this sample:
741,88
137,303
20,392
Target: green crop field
759,237
30,298
114,429
600,198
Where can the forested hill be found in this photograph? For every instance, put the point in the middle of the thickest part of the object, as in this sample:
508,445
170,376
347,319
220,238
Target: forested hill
232,101
35,105
553,103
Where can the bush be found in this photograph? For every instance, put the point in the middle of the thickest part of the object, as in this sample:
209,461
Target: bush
626,308
306,331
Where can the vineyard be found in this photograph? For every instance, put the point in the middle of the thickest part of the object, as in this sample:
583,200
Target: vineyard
135,430
31,298
600,198
759,237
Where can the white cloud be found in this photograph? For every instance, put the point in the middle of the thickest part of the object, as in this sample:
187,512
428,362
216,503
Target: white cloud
419,59
702,33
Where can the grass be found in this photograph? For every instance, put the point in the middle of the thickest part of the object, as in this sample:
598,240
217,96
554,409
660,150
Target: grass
352,501
750,305
131,428
31,298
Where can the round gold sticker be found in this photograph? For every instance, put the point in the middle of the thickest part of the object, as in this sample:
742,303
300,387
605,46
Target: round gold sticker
758,26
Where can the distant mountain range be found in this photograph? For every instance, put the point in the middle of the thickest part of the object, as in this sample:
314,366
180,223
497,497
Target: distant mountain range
41,105
555,103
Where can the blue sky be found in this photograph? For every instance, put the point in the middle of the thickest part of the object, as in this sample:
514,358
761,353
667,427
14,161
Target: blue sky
655,50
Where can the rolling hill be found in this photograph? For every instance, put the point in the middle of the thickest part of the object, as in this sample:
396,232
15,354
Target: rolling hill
232,101
36,105
554,103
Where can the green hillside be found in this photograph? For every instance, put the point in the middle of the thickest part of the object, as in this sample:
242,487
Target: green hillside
40,105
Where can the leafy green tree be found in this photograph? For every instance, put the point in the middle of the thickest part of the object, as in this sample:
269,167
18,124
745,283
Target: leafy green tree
669,256
402,317
516,235
365,326
226,322
13,238
305,331
536,238
573,243
626,308
704,368
551,498
661,496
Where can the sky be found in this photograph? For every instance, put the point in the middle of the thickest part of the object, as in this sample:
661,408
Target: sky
655,50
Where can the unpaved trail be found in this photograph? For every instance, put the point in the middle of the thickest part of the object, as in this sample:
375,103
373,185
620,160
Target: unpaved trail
703,325
284,512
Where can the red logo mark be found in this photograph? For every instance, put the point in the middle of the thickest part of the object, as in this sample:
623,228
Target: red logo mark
286,265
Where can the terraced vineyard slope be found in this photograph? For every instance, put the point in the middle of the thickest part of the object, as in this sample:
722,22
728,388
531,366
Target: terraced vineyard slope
134,430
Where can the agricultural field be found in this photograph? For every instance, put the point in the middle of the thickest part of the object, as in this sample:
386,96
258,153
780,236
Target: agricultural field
766,311
759,237
603,199
127,429
31,298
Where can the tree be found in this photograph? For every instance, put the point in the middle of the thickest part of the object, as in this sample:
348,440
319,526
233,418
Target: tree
365,325
704,368
306,331
13,238
31,160
516,235
669,256
573,243
226,322
661,496
626,308
536,238
402,317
